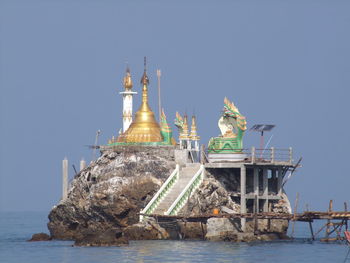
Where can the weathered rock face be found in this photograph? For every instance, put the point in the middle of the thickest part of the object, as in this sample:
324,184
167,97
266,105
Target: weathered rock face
105,238
214,192
105,198
147,230
110,192
221,229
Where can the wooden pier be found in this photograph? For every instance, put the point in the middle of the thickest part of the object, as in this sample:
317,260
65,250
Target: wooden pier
304,217
341,218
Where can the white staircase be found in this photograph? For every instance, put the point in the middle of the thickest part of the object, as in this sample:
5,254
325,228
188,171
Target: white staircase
176,190
185,176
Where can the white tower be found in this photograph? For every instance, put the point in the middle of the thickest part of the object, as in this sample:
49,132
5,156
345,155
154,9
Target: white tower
127,100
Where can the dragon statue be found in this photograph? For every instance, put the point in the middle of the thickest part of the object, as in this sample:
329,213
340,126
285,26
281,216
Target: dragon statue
182,124
165,130
232,125
179,122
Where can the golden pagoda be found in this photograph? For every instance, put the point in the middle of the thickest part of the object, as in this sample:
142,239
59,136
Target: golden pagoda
193,135
184,134
144,127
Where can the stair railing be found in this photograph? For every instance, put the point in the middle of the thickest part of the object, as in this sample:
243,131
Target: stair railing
162,192
186,192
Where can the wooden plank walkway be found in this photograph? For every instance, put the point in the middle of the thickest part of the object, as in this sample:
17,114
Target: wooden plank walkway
305,216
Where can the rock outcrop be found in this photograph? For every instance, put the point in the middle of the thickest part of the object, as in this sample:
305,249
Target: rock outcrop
105,198
105,238
40,237
110,192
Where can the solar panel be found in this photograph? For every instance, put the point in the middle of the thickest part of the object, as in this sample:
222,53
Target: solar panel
262,127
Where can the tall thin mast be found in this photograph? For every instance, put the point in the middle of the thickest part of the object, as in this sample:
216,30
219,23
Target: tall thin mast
159,104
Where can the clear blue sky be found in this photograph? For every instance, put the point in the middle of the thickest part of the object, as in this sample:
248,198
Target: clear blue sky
281,62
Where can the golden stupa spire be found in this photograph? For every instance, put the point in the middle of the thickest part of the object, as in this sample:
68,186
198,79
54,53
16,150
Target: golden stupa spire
193,134
144,128
185,135
127,80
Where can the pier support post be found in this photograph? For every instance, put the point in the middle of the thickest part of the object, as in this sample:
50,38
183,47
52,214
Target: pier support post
346,220
311,231
64,179
265,191
243,196
256,187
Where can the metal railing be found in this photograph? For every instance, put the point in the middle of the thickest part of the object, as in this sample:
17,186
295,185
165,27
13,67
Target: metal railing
182,199
162,192
270,155
253,155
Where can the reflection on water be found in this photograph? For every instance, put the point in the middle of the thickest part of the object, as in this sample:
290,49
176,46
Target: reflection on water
15,229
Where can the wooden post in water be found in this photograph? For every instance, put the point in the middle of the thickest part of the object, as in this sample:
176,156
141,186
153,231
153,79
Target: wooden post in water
311,230
295,212
346,220
328,229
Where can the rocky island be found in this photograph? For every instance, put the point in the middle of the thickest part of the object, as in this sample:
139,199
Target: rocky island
145,185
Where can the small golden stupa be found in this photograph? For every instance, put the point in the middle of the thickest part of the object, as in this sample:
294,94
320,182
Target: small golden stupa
144,127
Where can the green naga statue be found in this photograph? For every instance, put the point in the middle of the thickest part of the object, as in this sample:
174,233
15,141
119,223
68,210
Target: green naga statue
165,130
182,124
179,123
232,125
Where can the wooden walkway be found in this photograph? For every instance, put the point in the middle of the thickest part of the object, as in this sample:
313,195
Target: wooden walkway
336,221
304,217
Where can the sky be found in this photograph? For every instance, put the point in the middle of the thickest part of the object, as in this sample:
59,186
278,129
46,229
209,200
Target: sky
281,62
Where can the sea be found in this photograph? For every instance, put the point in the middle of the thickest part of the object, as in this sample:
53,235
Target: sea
17,227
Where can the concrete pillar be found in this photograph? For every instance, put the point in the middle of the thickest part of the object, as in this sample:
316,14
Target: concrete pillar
203,160
256,187
272,154
82,164
253,154
189,145
279,181
265,190
196,145
243,196
64,179
273,181
256,181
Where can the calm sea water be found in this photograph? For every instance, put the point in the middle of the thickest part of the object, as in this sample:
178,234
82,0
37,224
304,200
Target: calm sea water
16,228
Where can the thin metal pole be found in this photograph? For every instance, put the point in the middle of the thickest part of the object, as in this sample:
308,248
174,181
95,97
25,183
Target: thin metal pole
261,143
159,73
95,145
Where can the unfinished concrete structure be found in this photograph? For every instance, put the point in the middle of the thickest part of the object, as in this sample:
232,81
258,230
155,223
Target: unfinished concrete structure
260,178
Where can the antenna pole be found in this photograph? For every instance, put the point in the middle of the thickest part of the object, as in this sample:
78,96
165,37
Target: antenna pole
95,145
159,103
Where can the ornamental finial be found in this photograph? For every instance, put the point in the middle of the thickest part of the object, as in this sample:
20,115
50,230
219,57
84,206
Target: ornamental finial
127,79
144,79
193,134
